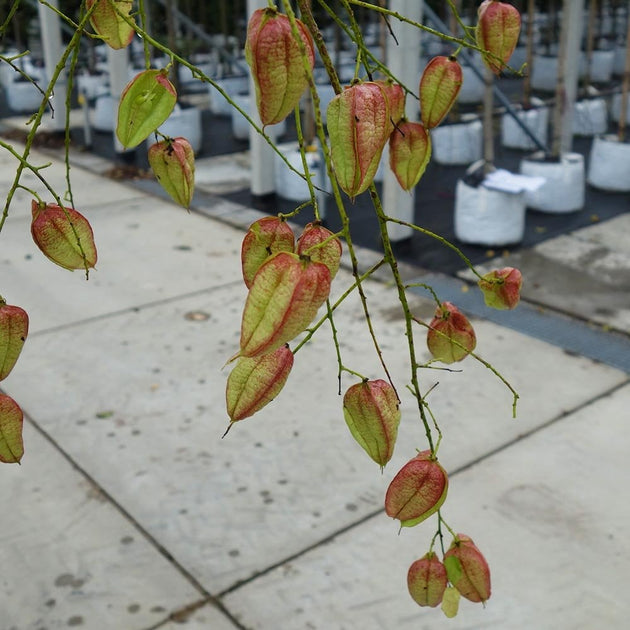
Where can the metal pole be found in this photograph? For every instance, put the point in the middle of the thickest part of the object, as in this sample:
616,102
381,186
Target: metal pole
118,79
403,60
53,50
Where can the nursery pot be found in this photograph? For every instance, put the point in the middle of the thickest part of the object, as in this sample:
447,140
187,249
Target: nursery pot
492,218
186,122
609,164
615,109
240,126
472,86
544,73
231,86
600,66
536,119
459,143
23,97
105,113
590,117
290,185
563,190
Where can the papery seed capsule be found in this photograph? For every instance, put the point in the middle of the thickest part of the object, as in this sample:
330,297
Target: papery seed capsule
497,32
253,383
417,491
396,99
426,580
450,337
146,102
439,86
13,332
501,288
276,63
283,300
11,421
409,153
116,32
372,413
265,237
359,125
310,244
173,164
467,569
58,231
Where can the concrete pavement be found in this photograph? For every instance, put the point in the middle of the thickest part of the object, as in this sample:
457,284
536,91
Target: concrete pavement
129,512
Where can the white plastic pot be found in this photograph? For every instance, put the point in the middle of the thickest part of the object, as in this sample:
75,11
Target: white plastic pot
460,143
491,218
472,87
590,117
609,164
290,185
600,68
186,122
544,73
563,190
104,115
615,109
536,119
619,61
23,97
240,126
231,86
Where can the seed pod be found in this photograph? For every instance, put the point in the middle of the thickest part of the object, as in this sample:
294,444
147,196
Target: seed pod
497,32
13,332
253,383
359,125
52,232
11,421
309,245
372,413
146,102
439,86
106,22
467,569
450,602
265,237
450,337
417,491
284,298
501,288
396,99
276,63
426,580
409,153
173,164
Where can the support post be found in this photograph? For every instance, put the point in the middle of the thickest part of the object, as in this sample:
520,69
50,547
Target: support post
403,60
118,63
53,50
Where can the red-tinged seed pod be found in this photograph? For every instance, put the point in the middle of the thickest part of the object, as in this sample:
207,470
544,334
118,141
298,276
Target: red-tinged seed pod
276,63
11,421
146,102
417,491
253,383
450,337
63,235
501,288
426,580
13,333
310,244
173,164
497,32
265,237
359,125
409,153
467,569
396,99
372,413
116,32
283,300
440,84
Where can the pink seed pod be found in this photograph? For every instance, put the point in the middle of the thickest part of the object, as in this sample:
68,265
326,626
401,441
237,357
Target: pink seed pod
57,232
173,164
276,63
13,332
265,237
372,413
450,337
417,491
497,32
116,32
283,300
467,569
254,383
409,153
440,84
11,422
310,244
426,580
501,288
